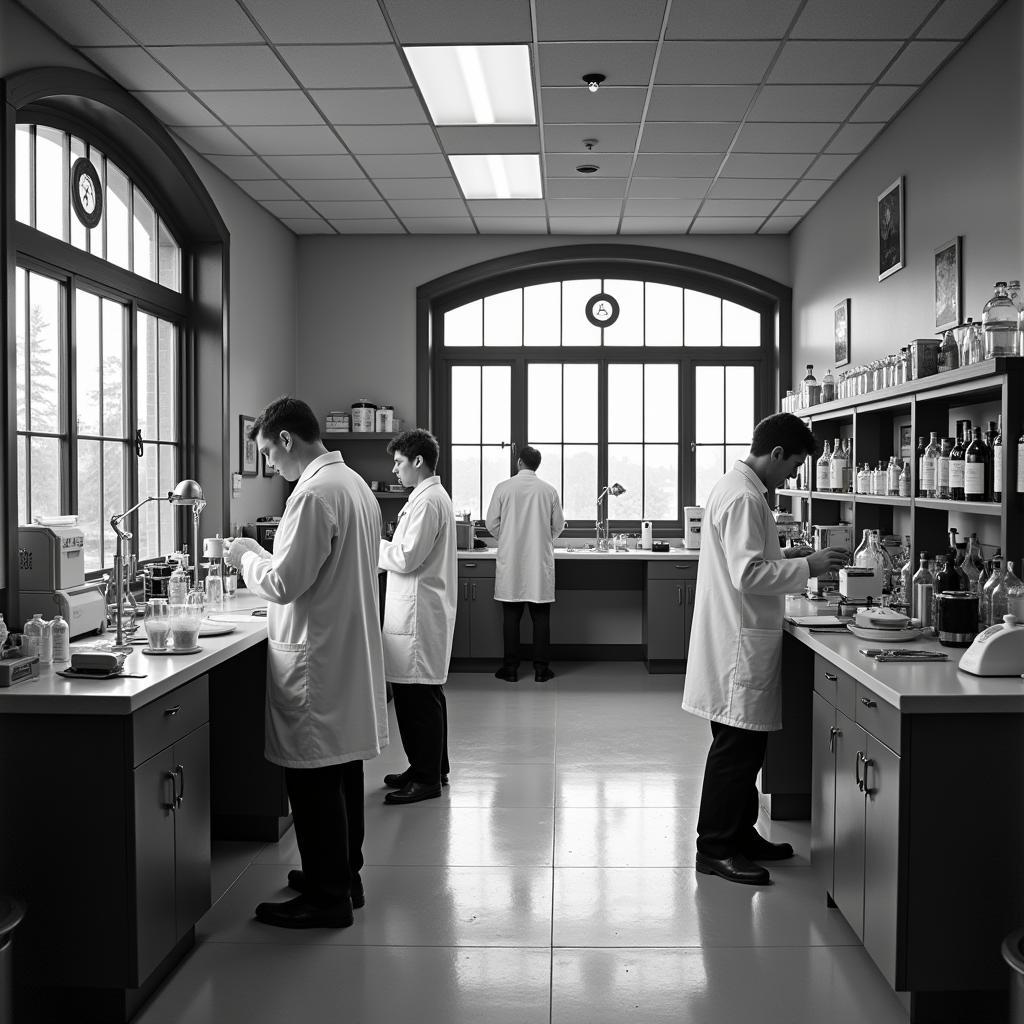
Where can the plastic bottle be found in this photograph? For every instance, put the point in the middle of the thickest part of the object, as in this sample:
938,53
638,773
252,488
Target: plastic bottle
33,635
60,633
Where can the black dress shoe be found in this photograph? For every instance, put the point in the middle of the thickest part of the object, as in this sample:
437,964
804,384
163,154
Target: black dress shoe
542,675
300,913
760,849
736,868
510,675
397,780
297,881
412,792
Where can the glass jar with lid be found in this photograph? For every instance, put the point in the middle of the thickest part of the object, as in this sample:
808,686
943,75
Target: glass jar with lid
999,323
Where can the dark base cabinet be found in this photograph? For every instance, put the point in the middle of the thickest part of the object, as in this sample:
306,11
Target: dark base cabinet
669,596
478,630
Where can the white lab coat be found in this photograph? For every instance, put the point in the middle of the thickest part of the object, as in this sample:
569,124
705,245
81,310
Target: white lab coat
419,608
525,516
326,696
733,666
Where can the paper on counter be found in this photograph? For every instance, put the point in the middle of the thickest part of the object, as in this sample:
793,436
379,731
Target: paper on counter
818,620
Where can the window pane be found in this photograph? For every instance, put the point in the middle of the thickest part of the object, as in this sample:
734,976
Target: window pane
118,197
625,466
45,489
466,479
167,340
169,476
542,314
88,362
90,518
465,405
45,354
703,324
735,452
629,328
497,404
79,232
146,380
98,162
576,328
580,475
661,481
581,402
625,402
663,315
710,465
23,480
739,404
495,468
113,492
503,318
51,175
464,325
740,326
544,403
22,173
709,402
114,396
144,225
661,402
550,468
170,259
149,485
20,310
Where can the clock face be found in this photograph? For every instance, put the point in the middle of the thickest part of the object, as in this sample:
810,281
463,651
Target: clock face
86,196
602,310
87,193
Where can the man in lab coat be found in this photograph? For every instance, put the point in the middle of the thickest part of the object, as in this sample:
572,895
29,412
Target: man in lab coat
732,672
419,617
326,700
525,516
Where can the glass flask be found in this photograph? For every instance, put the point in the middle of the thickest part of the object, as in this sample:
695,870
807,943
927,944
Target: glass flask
860,555
986,591
1000,596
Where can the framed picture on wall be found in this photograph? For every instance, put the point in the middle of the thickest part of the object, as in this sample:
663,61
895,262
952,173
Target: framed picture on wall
906,441
948,285
841,331
267,471
890,230
247,450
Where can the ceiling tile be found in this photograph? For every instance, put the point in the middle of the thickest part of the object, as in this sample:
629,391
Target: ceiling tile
883,102
418,188
611,138
584,207
176,108
917,62
283,140
784,137
376,226
699,102
321,21
412,138
184,21
370,106
132,67
306,226
852,138
687,136
584,225
669,188
865,19
249,168
425,165
601,19
810,189
337,166
730,19
750,188
506,208
662,208
655,225
288,208
440,226
346,67
406,208
620,63
579,106
832,61
262,106
725,225
497,138
335,190
609,165
270,189
956,19
805,102
462,21
779,225
766,165
224,67
208,141
794,207
63,18
585,186
717,63
830,166
738,207
356,210
512,225
682,165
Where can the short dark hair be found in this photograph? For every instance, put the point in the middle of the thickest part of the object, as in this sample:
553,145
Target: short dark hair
285,413
530,457
411,443
786,431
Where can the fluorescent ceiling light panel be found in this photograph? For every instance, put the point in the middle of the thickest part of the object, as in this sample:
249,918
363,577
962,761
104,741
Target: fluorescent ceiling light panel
497,176
474,84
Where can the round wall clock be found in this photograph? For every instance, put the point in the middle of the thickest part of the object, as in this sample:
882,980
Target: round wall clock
602,310
86,194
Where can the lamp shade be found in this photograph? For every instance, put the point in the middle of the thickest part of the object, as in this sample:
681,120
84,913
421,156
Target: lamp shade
186,492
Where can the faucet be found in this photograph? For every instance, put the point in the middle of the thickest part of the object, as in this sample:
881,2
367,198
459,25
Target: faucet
601,526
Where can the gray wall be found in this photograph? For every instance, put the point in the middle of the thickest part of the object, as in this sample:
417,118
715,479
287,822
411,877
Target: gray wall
959,146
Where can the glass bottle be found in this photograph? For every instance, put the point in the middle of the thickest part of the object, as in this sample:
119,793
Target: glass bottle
907,372
946,579
949,353
951,550
905,483
809,390
989,438
821,477
965,342
46,644
60,634
863,477
997,462
977,344
1015,601
921,592
828,387
956,468
999,321
986,591
1020,462
1013,292
837,467
33,633
860,555
999,598
973,567
921,449
882,561
942,468
893,477
928,467
976,460
879,479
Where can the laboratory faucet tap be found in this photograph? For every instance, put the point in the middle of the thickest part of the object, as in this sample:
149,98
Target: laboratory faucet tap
601,525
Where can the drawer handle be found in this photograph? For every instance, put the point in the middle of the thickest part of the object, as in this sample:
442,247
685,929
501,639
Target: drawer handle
172,711
678,566
831,678
869,703
180,772
469,565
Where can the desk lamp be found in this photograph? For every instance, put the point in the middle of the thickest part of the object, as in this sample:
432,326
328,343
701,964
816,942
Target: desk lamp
615,490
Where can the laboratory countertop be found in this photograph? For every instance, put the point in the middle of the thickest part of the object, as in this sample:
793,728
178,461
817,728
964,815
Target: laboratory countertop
578,553
918,687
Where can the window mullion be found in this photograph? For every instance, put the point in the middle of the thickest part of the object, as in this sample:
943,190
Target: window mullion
69,393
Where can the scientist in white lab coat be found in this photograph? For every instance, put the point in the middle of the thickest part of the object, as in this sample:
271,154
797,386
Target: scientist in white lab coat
733,668
326,699
525,516
419,617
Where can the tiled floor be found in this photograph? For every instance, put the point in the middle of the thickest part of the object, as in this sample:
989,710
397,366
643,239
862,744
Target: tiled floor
552,883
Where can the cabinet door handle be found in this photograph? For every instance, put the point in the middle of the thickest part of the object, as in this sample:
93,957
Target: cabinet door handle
474,591
869,703
180,771
831,677
679,595
868,763
465,590
172,711
833,732
856,770
173,776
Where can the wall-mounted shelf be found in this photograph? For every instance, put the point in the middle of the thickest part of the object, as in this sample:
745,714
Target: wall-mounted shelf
883,499
968,508
831,496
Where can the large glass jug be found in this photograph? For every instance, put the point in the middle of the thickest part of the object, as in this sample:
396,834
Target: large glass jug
185,621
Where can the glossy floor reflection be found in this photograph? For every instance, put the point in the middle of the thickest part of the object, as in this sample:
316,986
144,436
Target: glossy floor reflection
552,883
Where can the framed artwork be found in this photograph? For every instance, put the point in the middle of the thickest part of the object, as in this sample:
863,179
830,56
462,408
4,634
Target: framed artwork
948,285
266,470
247,450
890,230
906,441
841,331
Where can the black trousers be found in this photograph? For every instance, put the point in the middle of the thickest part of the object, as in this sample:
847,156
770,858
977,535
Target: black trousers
422,714
327,809
728,801
540,614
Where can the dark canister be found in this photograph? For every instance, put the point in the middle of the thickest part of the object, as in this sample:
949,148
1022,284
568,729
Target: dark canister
155,578
956,619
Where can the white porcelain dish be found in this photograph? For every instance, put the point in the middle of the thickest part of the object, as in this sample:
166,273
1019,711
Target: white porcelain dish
894,636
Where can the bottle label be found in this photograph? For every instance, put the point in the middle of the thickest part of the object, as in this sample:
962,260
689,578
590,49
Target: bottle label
904,487
1020,469
942,473
974,480
997,468
835,474
956,473
821,476
928,473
